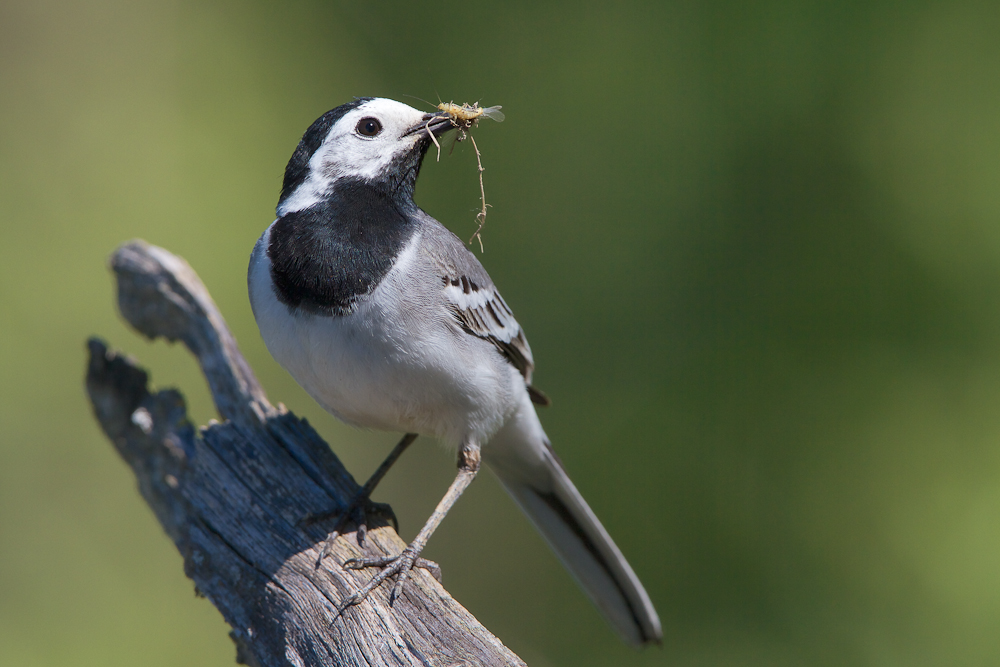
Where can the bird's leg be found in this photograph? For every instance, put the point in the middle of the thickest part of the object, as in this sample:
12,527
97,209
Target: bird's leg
356,510
399,566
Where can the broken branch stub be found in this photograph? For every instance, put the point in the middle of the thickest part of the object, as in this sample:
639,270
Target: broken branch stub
233,497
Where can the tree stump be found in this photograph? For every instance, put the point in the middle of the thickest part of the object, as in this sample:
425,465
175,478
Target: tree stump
233,497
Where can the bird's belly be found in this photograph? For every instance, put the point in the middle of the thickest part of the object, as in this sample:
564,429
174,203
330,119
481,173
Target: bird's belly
348,375
370,380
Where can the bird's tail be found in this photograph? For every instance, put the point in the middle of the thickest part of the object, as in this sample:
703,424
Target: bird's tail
529,469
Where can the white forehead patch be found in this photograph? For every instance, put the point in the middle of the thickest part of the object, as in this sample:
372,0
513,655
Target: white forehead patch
346,154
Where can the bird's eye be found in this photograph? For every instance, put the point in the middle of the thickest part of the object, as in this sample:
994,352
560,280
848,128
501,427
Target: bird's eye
368,127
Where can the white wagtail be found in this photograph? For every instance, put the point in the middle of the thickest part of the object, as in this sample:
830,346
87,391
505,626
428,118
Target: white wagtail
390,322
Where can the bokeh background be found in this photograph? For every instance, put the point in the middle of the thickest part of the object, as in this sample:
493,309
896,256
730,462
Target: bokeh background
756,248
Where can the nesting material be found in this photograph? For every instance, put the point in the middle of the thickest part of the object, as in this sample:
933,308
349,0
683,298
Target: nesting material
464,117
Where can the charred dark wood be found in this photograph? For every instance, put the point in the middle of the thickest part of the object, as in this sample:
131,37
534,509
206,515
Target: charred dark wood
233,497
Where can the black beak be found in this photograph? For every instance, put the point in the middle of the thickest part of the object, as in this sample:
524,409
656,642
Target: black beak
436,124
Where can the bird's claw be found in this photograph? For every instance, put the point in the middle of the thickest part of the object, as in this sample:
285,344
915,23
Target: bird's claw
423,563
396,567
357,513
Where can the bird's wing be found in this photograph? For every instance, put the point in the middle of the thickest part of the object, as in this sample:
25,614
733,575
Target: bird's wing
482,312
474,301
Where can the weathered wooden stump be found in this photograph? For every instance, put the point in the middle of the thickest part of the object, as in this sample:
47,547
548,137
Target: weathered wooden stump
233,497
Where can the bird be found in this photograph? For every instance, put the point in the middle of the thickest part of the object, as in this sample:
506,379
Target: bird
390,322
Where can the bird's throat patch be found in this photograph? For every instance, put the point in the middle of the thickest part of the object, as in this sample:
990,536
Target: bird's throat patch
326,258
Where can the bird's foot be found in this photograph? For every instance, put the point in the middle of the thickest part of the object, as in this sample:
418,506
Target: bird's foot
357,513
396,567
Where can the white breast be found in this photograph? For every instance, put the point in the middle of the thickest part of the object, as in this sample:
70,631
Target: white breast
397,363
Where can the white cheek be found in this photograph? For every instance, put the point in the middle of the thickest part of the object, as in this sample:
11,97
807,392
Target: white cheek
361,158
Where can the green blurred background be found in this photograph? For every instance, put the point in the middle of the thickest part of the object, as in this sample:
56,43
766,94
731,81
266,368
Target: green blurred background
756,250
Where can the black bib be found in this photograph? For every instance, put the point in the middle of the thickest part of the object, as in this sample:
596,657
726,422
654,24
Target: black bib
328,256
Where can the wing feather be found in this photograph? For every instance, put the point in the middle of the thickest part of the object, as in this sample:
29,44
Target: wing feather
473,300
482,312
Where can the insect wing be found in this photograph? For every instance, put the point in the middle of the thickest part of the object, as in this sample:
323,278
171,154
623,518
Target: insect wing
494,113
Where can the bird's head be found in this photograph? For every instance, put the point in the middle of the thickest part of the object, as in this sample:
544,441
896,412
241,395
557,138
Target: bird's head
371,139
